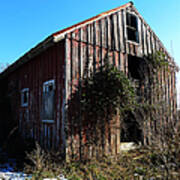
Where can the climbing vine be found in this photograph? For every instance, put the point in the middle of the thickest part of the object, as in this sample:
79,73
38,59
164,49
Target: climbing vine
109,93
107,88
154,107
157,60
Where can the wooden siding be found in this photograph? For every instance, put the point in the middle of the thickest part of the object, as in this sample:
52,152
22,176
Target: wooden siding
81,53
89,45
46,66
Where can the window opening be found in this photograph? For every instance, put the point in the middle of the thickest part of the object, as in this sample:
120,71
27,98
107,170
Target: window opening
24,97
48,101
132,27
136,67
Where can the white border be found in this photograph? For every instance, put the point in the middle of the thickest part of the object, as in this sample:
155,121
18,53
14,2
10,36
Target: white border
48,121
22,97
138,21
52,81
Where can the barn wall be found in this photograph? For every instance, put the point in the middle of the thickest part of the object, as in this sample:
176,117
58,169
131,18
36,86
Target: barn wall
43,67
84,52
89,45
5,113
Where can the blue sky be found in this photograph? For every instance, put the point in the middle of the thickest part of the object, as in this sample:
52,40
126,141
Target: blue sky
23,24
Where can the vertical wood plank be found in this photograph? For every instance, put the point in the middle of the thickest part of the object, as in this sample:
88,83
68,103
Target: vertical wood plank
152,42
116,32
92,33
80,88
145,41
98,35
142,37
119,33
139,48
123,34
119,38
149,42
107,32
100,43
94,47
103,31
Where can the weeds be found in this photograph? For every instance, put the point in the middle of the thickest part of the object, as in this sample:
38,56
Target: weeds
145,162
155,162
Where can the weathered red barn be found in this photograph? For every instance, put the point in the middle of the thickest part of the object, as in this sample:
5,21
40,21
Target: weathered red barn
40,83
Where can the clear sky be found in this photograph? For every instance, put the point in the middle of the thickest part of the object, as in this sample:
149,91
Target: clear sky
23,24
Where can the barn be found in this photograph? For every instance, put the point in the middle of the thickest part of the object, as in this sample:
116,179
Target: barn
40,84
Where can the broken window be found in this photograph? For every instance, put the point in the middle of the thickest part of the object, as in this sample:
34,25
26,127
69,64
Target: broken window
136,68
24,97
48,101
132,27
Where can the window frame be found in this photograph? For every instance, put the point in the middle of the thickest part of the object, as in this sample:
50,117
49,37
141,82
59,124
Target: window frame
136,30
45,85
24,104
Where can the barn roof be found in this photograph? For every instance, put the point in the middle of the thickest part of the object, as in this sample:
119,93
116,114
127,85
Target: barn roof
59,35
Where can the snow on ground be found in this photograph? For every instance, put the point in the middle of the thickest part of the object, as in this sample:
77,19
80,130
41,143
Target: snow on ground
14,176
7,166
22,176
7,170
7,173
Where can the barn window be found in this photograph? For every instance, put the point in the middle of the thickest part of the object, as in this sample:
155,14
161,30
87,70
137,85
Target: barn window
48,101
137,68
132,27
24,97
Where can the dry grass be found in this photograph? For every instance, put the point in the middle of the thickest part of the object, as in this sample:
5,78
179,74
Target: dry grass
158,162
145,163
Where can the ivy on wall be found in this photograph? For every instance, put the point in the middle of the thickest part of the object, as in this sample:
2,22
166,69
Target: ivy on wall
109,93
107,88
